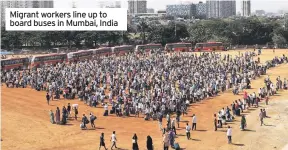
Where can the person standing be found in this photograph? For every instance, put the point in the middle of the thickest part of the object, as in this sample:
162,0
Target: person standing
52,117
266,99
134,142
102,142
165,142
243,123
229,135
173,126
57,115
69,109
75,112
149,143
160,118
188,131
113,139
84,121
194,121
261,117
105,109
215,122
48,98
92,119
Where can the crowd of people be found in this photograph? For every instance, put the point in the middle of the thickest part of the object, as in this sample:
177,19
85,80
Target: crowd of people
154,86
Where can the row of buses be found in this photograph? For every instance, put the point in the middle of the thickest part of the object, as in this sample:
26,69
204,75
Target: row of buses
38,61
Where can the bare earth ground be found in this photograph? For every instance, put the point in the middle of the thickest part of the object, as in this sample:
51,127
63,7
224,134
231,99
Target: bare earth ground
26,125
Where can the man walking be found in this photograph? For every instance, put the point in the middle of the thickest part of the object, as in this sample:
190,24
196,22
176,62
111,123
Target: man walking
166,142
215,122
102,142
194,121
188,131
48,98
113,139
84,121
160,118
92,119
229,135
261,117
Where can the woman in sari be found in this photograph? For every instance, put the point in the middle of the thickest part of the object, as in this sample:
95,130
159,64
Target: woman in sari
52,117
171,138
134,142
57,115
243,123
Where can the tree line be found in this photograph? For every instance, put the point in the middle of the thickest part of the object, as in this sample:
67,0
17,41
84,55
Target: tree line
235,31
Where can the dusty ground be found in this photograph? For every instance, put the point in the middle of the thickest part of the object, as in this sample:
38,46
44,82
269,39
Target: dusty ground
26,125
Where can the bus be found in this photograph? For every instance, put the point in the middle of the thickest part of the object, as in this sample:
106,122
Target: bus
148,47
14,63
121,50
49,59
103,51
210,46
79,55
181,47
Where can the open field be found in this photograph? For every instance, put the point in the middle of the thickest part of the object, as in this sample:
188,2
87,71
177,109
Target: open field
26,124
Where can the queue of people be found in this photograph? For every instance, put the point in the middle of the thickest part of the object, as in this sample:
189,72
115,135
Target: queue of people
154,86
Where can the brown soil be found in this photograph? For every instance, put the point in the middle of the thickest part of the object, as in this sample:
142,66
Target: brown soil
26,125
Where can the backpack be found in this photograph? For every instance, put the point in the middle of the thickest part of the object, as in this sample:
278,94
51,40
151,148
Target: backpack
176,146
94,118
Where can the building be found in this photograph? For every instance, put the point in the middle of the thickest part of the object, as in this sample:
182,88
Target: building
117,4
201,9
137,6
260,12
40,4
23,4
181,10
220,8
150,10
246,8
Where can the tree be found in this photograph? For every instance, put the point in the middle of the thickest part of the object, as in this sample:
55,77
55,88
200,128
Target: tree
143,27
279,39
198,32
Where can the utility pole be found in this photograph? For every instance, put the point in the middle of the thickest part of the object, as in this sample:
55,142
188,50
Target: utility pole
285,21
175,26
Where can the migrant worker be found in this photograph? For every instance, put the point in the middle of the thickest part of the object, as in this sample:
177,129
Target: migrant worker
149,143
102,142
135,142
51,117
243,122
57,115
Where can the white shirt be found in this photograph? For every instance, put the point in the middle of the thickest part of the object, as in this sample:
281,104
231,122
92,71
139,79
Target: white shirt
106,107
229,132
188,128
194,119
113,138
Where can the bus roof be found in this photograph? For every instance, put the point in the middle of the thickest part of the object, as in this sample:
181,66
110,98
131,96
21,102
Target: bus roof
209,43
53,54
101,48
123,46
14,58
176,43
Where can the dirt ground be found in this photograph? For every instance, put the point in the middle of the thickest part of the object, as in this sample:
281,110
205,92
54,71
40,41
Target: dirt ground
26,125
